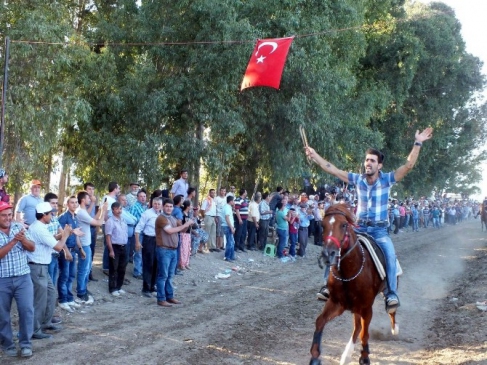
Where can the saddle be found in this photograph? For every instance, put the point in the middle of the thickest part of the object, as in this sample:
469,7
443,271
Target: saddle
376,254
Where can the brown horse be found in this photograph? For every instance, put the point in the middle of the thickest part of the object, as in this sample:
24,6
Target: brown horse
353,284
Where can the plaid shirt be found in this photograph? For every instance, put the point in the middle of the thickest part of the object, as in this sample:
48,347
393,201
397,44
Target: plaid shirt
372,199
15,262
137,209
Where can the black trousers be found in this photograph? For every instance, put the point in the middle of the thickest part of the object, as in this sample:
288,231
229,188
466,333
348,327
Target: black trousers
116,268
149,263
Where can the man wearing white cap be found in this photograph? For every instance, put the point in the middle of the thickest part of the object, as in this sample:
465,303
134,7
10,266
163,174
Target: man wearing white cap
38,260
27,204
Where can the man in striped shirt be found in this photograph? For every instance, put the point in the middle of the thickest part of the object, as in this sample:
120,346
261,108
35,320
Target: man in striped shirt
373,188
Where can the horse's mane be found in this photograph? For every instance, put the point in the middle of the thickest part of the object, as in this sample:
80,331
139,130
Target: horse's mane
341,209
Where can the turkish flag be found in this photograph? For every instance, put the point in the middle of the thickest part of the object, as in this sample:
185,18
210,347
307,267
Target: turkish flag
267,62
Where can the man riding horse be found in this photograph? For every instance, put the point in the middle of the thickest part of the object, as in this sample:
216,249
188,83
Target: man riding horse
373,188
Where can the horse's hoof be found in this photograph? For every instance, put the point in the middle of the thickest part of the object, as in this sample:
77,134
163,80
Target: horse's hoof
364,361
315,362
395,330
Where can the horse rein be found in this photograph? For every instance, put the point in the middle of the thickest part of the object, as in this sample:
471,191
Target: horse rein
340,245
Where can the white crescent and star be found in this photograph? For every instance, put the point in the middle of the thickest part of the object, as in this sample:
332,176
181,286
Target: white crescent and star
274,46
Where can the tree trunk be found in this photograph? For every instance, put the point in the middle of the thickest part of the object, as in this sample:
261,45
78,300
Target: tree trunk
62,183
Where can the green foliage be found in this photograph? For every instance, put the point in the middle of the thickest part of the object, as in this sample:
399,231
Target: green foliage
139,90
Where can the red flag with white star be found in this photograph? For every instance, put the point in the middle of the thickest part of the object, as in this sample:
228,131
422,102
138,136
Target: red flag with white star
267,62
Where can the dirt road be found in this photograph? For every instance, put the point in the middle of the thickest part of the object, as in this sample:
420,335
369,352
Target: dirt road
265,312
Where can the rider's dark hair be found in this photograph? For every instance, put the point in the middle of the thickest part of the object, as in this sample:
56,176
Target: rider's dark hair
379,154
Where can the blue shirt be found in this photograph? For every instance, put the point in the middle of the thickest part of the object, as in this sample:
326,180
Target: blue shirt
68,218
177,213
27,205
304,218
372,199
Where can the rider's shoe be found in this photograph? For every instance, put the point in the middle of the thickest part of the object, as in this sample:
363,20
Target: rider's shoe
323,294
392,303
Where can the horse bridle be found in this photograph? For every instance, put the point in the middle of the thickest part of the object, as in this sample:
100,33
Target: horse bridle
341,245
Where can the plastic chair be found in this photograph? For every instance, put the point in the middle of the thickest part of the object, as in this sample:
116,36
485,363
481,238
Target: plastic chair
270,250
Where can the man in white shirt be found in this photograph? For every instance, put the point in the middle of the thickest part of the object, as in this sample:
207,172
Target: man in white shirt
44,292
220,202
253,222
85,221
208,208
180,186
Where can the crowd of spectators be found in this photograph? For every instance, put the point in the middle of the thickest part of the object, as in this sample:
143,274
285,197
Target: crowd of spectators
42,253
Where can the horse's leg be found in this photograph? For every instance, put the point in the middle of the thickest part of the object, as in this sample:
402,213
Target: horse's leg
330,311
364,336
394,325
347,353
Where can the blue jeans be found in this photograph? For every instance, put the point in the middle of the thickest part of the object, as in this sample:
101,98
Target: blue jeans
415,224
138,258
436,222
52,269
326,274
282,235
230,247
166,266
293,237
385,243
240,234
22,289
84,268
67,273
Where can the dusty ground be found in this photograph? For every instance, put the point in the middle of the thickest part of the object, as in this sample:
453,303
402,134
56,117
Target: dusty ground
264,313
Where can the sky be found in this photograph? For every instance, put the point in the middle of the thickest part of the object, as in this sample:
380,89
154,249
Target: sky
472,17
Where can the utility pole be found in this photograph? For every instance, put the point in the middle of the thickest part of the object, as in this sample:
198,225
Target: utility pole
4,96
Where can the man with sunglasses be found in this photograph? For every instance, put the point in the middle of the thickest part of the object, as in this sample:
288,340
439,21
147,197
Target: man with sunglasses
39,260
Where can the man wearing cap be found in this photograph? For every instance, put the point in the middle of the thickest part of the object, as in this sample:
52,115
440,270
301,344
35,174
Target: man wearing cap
132,194
15,282
4,197
38,260
373,190
27,204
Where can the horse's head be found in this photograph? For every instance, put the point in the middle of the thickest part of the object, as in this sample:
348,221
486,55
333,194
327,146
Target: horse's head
337,232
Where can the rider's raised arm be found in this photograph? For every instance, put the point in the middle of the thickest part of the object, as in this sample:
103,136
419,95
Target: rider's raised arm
325,165
413,155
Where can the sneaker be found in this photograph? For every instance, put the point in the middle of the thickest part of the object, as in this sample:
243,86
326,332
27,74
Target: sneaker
392,303
139,277
147,294
56,320
39,335
154,293
11,351
115,293
25,352
323,294
121,291
74,304
87,299
66,307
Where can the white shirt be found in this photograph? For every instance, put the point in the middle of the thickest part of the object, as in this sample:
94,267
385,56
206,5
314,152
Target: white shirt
44,243
220,203
147,223
209,206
